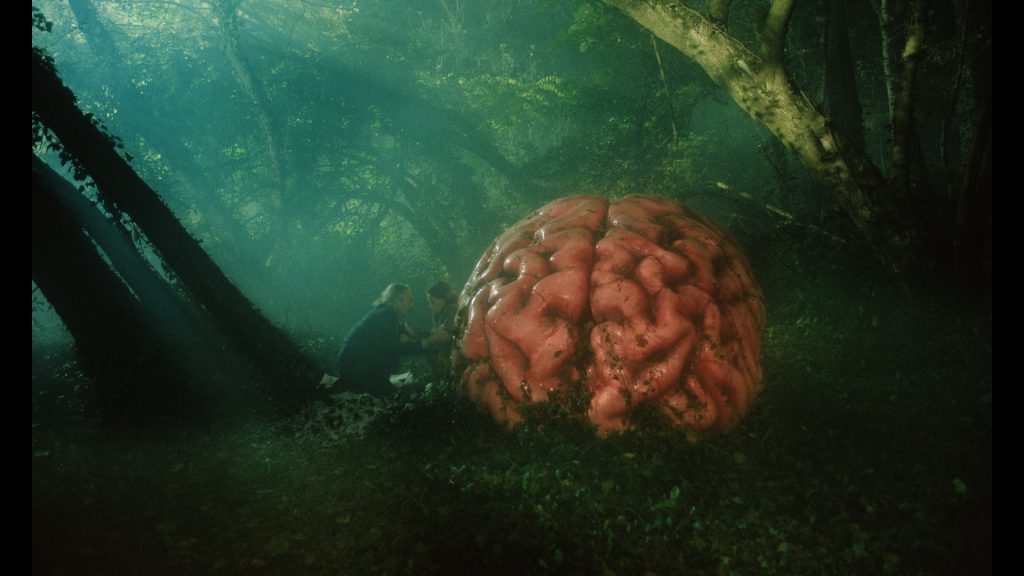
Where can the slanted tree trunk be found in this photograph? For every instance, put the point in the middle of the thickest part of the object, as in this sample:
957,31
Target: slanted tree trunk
149,289
136,376
159,131
175,321
267,346
758,83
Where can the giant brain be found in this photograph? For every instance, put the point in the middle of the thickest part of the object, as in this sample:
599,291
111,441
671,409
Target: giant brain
637,303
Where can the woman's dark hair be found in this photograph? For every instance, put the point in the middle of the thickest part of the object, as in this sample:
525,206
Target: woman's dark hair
442,291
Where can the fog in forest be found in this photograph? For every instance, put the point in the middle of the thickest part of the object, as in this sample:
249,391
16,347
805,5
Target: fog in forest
391,142
316,151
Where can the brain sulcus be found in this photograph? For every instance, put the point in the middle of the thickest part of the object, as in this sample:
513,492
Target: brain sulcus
634,306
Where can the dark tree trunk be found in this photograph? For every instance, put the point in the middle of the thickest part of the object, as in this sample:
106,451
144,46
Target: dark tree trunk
278,357
974,213
160,131
135,376
149,289
841,100
177,323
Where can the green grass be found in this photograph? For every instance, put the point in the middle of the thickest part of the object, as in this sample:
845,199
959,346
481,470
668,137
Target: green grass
869,452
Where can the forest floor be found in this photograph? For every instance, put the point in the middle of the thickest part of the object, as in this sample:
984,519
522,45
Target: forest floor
869,452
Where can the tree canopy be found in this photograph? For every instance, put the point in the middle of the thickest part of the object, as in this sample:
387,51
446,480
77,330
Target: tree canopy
320,150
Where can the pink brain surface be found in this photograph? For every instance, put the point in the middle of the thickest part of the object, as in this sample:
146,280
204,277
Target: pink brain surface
638,303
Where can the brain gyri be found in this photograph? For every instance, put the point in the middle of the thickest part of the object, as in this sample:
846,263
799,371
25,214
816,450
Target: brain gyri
640,303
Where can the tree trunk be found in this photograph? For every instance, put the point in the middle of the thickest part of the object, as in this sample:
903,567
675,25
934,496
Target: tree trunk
841,100
974,213
887,19
762,89
135,376
199,276
149,289
906,146
159,131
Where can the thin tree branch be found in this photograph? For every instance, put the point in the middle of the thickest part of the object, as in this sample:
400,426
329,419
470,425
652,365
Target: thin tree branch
228,20
668,94
196,10
746,197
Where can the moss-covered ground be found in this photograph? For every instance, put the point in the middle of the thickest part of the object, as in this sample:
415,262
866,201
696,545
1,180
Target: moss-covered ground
869,452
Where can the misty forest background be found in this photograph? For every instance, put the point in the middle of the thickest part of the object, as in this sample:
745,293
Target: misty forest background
221,189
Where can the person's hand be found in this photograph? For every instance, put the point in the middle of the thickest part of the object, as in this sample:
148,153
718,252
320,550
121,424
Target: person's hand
436,337
408,332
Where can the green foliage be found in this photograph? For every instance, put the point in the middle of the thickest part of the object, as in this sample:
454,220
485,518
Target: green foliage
865,454
40,22
409,134
414,149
